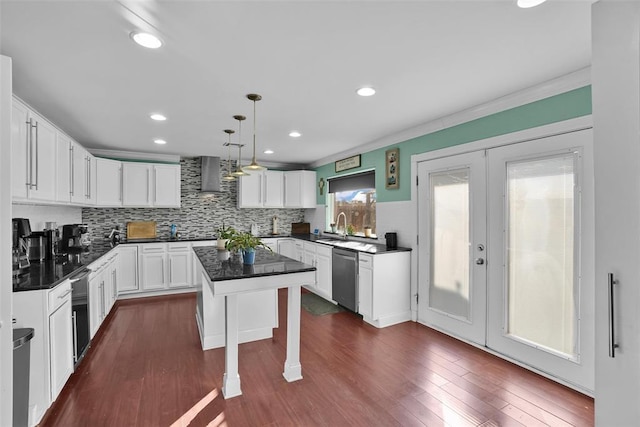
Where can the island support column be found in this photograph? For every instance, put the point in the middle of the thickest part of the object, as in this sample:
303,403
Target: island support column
231,379
292,367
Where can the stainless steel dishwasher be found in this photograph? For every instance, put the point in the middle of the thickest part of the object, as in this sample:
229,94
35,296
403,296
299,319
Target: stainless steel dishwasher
345,278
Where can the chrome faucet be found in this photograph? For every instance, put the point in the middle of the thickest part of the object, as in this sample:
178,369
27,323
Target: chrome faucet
344,233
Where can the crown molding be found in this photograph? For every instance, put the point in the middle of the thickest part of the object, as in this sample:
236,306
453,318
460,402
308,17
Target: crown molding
562,84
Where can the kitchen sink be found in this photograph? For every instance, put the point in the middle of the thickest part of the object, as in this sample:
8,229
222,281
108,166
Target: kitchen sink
349,244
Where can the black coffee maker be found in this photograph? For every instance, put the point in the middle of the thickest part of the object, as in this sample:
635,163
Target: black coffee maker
392,240
71,238
20,253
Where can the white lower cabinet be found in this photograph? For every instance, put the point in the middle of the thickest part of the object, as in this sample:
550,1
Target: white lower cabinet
61,347
179,255
127,278
48,312
287,247
103,290
324,267
384,294
196,268
152,266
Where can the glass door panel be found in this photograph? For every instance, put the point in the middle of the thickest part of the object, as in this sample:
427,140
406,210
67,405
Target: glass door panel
449,281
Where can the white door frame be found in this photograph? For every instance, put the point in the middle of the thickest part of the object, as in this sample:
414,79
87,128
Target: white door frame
580,123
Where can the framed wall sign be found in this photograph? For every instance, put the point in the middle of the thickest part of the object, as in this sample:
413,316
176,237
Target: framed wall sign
348,163
392,169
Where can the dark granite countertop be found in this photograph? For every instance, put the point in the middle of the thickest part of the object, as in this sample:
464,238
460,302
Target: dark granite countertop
218,267
47,274
189,239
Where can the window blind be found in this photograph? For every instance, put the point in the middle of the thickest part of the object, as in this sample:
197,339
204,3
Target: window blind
353,182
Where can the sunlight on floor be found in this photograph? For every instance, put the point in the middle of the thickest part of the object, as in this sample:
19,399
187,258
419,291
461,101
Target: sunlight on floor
188,416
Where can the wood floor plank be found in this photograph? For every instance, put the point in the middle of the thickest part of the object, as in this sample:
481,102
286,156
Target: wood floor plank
146,368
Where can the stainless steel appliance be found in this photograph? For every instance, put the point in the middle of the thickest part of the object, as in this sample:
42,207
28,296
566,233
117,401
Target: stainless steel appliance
20,256
80,313
345,278
35,246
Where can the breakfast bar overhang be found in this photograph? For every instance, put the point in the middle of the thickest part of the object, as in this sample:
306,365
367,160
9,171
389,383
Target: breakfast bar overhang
227,277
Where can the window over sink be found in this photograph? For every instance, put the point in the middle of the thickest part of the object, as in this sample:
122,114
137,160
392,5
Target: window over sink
355,195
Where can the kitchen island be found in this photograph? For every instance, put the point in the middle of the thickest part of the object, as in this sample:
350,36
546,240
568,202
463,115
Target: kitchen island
241,300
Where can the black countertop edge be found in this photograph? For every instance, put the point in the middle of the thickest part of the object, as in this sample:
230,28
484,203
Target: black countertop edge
190,239
379,248
219,265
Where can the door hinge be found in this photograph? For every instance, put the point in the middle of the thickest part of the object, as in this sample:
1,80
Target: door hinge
416,179
417,298
417,239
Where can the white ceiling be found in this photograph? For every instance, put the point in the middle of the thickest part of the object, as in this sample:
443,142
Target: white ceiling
75,63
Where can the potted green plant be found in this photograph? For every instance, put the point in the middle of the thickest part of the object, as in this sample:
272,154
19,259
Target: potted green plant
247,244
224,234
350,230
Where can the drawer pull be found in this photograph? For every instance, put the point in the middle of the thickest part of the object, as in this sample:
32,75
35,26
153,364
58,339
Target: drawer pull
65,294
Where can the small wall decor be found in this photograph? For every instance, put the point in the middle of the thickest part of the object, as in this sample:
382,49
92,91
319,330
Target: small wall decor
392,169
348,163
321,186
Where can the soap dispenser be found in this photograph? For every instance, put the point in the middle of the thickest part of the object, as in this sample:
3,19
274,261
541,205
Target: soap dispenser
174,231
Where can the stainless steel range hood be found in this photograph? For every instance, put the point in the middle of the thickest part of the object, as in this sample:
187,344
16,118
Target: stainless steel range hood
210,175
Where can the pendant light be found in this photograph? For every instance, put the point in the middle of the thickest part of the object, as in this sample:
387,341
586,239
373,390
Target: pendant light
254,166
228,176
239,171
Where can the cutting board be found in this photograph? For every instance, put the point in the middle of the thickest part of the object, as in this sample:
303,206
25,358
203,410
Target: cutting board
141,230
300,228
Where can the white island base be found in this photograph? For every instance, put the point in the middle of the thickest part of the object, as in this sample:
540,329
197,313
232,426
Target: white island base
257,313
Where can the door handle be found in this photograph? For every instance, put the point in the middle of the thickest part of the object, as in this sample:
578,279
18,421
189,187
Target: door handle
612,332
479,261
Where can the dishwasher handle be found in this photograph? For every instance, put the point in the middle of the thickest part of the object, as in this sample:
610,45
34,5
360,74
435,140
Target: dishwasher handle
80,275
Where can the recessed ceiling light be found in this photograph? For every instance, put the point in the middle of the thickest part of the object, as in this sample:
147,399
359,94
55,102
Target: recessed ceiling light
525,4
146,40
366,91
268,151
158,117
160,141
295,134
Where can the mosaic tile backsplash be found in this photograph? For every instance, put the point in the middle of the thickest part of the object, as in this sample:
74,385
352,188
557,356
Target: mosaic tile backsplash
199,215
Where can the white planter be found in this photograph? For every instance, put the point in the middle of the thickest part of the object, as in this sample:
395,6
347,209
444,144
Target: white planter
222,243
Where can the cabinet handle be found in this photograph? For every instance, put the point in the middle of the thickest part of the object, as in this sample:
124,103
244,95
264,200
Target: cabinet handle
89,176
121,183
102,298
75,336
29,158
148,183
155,186
65,294
115,284
612,331
37,154
72,170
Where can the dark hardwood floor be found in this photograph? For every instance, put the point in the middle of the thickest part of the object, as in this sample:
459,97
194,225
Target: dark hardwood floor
146,368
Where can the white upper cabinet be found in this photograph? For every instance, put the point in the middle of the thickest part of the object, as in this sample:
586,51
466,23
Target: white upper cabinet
166,186
262,189
273,191
63,168
277,189
33,141
136,178
108,182
146,184
83,175
300,189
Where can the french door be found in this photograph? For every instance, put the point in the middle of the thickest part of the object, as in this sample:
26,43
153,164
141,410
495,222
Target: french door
507,258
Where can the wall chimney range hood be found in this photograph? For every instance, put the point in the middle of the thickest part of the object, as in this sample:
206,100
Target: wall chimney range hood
210,174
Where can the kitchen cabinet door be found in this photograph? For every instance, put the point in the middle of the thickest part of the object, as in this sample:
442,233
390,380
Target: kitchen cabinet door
299,189
91,175
127,279
309,257
136,179
108,182
166,186
365,290
179,256
250,191
273,191
78,173
43,153
96,301
287,248
152,263
323,272
61,347
20,154
63,168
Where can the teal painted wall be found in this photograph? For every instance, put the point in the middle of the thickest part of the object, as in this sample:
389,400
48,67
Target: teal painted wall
565,106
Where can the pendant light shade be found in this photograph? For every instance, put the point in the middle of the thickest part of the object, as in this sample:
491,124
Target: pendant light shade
254,166
228,176
239,171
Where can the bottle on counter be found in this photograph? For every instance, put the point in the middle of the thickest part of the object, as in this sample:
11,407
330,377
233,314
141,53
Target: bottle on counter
174,231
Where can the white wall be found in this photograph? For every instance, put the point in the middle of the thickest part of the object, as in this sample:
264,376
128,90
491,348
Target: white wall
6,289
39,214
